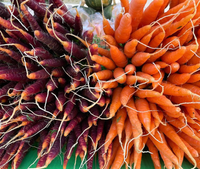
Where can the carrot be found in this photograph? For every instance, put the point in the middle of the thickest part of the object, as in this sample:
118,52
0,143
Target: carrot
167,163
163,147
141,32
115,103
108,30
125,5
189,68
156,114
130,48
133,79
104,61
146,76
112,133
155,42
194,78
130,69
144,113
133,116
118,56
190,51
172,56
40,74
140,58
179,79
171,42
172,68
162,8
156,55
110,40
106,85
54,62
173,90
158,79
154,154
117,20
177,25
126,94
150,68
119,75
171,134
151,12
103,75
123,31
136,11
147,93
143,44
160,100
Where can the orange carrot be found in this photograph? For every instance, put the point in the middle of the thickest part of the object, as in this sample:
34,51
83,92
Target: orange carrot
171,42
144,113
104,61
103,75
115,103
130,69
108,30
158,79
143,44
125,5
140,58
179,79
156,114
160,100
121,117
126,94
151,12
172,56
133,79
147,93
157,54
136,8
130,48
119,75
117,20
146,76
106,85
190,51
112,133
123,31
162,8
104,52
133,116
118,56
150,68
141,32
110,40
171,134
172,68
189,68
194,78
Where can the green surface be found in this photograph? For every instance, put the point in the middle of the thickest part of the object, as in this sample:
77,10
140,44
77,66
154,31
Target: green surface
57,162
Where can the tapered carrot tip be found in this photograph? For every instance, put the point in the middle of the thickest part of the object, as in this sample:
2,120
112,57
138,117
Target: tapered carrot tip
37,33
32,76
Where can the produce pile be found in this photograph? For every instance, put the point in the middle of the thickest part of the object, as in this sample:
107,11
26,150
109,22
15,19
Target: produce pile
135,91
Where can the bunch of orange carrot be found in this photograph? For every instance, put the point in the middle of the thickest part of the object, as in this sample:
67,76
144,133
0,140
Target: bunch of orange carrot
151,63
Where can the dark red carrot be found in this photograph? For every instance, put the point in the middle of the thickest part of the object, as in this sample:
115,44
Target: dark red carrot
88,36
44,97
4,88
16,74
61,100
69,148
73,123
93,135
78,24
40,74
68,18
46,39
34,88
52,84
72,71
70,104
40,53
42,160
4,13
85,129
14,55
94,111
83,105
6,58
90,155
60,28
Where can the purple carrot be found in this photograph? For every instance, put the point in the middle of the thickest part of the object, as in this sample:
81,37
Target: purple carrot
70,104
46,39
42,160
4,89
60,4
40,74
85,129
10,151
72,114
55,150
90,155
100,127
73,123
93,134
88,36
14,55
34,88
78,24
30,65
6,58
40,52
16,74
62,81
101,152
83,105
74,50
57,35
36,128
52,84
4,13
58,72
59,28
90,94
72,71
54,62
61,100
54,132
69,148
94,115
44,97
68,18
17,89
